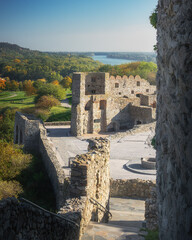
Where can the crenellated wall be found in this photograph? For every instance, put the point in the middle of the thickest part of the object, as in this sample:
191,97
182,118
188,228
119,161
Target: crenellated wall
103,104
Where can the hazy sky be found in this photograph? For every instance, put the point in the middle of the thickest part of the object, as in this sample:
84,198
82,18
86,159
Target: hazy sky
78,25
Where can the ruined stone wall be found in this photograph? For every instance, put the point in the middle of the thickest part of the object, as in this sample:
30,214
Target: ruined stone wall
35,140
19,220
89,188
101,104
26,131
53,167
148,100
137,188
174,119
142,114
130,86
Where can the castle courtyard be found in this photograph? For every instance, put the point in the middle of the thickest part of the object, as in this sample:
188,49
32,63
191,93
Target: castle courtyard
124,148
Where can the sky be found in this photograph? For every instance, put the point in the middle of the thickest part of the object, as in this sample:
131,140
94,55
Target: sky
78,25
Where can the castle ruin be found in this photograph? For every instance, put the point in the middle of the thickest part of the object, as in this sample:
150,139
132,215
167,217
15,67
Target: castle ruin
103,103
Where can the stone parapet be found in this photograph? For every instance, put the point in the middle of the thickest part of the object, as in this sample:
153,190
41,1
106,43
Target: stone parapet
19,220
134,188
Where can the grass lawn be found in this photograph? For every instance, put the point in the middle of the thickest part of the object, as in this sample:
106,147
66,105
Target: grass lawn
21,101
18,101
59,114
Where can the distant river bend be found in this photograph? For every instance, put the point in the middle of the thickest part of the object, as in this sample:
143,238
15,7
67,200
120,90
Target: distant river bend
112,61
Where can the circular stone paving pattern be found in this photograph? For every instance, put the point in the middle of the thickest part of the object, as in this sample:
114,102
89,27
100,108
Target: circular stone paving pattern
136,167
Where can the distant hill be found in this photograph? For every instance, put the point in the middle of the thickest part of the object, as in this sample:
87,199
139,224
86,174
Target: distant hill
22,63
9,46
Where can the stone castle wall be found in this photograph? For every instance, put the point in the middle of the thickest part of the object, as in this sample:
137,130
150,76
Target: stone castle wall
79,198
90,185
35,140
101,104
174,119
134,188
20,220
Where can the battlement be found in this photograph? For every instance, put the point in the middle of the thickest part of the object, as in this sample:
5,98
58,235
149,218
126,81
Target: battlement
102,103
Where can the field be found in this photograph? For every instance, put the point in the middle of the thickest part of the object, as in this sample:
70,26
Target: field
21,101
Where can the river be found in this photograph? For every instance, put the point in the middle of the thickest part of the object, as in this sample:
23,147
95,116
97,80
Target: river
112,61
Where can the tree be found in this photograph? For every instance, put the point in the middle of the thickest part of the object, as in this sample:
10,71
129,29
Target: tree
50,89
66,82
28,87
55,82
47,102
2,84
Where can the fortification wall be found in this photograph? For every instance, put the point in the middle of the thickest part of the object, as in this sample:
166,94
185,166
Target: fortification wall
101,104
20,220
137,188
90,185
174,119
35,140
79,199
130,86
26,131
142,114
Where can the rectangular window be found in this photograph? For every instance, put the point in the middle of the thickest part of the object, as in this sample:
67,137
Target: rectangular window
116,85
138,83
132,92
93,91
147,90
96,120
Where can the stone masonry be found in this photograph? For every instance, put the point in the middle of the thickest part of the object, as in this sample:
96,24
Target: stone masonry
174,119
83,197
101,103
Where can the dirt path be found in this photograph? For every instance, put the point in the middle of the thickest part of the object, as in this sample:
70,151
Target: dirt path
65,103
13,95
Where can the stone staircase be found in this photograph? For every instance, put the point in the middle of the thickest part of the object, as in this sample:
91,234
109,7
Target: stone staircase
128,215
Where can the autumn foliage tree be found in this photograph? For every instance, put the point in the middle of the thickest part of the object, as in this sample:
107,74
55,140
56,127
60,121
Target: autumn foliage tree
28,87
2,84
66,82
47,102
55,82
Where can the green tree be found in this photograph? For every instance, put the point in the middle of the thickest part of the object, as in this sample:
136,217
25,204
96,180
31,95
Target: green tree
52,90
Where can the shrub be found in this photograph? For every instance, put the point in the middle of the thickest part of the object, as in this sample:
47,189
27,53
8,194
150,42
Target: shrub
47,102
7,117
12,161
50,89
42,114
10,189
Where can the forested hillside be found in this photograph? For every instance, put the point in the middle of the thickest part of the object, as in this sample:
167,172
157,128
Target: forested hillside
20,64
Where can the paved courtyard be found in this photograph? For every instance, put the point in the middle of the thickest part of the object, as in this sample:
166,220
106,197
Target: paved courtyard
123,149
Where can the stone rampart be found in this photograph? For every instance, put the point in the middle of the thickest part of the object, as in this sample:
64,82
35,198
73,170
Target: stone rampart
82,198
19,220
134,188
34,139
90,185
53,167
